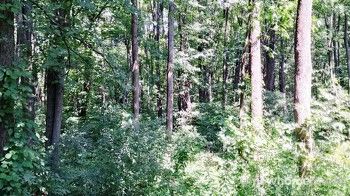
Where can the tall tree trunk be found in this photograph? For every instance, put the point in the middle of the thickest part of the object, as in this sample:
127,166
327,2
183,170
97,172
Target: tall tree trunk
329,24
24,51
335,44
158,68
170,70
347,48
303,77
135,65
225,59
256,69
282,74
55,84
7,52
270,61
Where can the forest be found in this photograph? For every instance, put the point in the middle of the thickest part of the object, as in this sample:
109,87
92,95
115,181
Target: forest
175,97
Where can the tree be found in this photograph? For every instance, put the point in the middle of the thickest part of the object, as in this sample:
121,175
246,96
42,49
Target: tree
170,70
270,61
55,76
303,77
24,53
135,64
347,49
7,52
256,69
225,59
159,17
282,74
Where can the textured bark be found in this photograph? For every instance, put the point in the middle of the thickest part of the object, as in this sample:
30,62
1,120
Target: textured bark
135,65
347,48
256,70
303,77
270,62
225,59
7,52
170,70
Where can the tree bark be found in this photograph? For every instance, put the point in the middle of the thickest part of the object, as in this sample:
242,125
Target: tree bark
303,77
7,52
256,69
170,70
347,48
135,65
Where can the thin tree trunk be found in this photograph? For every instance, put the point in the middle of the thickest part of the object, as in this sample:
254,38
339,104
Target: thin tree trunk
225,59
303,78
135,66
347,48
170,70
335,44
270,62
7,52
329,24
282,74
256,70
158,68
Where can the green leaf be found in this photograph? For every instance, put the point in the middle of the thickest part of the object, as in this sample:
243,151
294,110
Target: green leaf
8,155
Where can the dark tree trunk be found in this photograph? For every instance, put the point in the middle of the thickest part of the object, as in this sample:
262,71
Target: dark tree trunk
225,59
270,62
24,52
158,68
282,74
303,77
7,52
135,65
170,70
347,48
256,70
55,84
